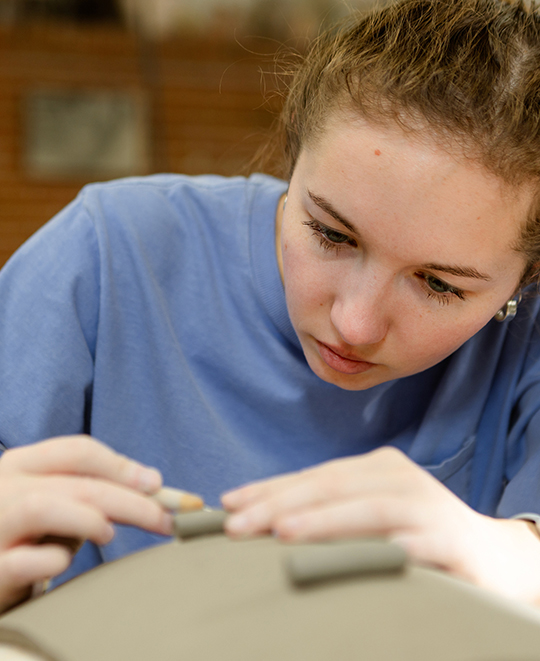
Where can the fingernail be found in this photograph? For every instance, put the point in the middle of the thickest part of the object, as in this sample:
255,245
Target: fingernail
237,524
166,524
108,534
230,499
149,480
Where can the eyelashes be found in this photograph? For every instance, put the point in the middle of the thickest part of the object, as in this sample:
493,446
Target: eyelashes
434,288
438,289
329,239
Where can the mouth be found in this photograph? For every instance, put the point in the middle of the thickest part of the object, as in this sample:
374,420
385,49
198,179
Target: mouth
341,362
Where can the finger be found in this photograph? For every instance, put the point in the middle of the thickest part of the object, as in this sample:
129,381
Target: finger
291,496
81,455
377,515
425,548
121,504
23,566
39,514
248,494
385,468
115,502
332,481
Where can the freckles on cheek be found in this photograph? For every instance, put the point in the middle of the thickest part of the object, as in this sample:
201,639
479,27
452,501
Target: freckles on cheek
438,343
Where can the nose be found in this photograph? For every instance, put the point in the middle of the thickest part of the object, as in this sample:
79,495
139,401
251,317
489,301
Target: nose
360,314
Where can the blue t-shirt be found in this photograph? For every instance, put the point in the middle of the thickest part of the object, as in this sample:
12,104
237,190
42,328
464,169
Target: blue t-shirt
150,314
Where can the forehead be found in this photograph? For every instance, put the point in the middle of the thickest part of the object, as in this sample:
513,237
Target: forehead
417,193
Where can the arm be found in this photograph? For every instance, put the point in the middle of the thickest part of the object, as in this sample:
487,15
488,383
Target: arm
50,311
385,493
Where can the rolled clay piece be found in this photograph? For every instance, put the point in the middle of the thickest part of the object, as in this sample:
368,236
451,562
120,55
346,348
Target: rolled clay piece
333,560
193,524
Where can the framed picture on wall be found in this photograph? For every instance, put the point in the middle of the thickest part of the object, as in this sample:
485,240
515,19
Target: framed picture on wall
86,133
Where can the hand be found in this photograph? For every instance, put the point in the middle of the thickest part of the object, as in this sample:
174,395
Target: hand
384,493
71,486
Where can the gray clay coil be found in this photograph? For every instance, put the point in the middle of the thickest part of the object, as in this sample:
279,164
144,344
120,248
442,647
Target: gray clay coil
193,524
334,560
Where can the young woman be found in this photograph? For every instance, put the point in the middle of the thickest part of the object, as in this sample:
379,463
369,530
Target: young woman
354,328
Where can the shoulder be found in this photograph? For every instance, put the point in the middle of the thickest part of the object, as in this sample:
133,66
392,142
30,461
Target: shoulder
507,353
522,341
163,214
171,196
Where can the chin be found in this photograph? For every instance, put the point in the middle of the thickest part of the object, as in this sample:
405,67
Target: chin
364,381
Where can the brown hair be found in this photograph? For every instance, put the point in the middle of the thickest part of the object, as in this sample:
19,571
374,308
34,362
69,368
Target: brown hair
468,71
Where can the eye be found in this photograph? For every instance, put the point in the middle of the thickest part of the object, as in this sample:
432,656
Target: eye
333,236
438,289
437,285
329,238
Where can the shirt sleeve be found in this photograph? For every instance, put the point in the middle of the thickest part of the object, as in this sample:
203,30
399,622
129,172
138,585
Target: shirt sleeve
522,491
48,326
50,307
522,461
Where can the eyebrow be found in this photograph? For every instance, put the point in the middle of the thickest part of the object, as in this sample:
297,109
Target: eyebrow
458,271
326,206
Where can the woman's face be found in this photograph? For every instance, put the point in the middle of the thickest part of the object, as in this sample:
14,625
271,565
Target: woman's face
393,252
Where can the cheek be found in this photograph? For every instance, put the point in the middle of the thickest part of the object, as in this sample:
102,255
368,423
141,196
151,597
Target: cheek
431,340
306,283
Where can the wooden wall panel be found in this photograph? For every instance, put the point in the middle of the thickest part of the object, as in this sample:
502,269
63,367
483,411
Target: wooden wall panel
207,108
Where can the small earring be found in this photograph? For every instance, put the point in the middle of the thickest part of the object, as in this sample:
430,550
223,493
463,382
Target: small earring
508,311
285,201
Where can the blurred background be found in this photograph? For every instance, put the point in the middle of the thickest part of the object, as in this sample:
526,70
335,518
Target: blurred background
96,89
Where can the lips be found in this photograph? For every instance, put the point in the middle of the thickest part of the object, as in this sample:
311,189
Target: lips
341,362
